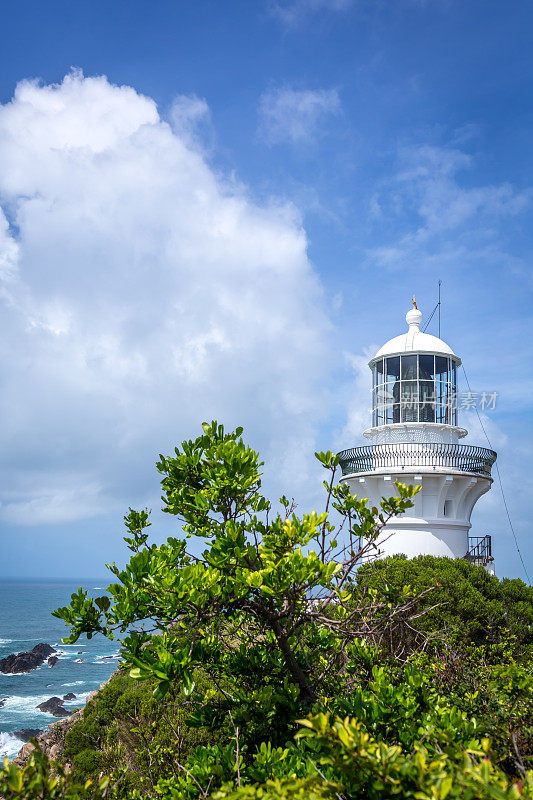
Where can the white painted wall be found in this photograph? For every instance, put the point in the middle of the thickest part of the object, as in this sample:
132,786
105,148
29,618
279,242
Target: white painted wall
439,522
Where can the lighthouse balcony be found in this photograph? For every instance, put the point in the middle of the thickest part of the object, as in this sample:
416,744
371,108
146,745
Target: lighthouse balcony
424,457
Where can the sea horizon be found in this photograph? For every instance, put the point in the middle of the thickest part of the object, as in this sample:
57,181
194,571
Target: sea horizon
48,579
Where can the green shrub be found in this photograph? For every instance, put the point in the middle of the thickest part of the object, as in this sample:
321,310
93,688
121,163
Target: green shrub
87,763
467,603
415,680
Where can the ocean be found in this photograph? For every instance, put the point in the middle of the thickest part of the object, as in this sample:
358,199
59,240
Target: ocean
25,620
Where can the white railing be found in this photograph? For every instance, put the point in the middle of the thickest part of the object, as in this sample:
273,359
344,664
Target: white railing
407,455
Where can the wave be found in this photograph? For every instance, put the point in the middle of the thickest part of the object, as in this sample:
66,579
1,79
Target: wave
24,639
14,674
65,656
28,705
9,745
106,659
78,700
24,705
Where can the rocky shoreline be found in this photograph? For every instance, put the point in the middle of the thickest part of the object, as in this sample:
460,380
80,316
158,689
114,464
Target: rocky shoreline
52,740
31,659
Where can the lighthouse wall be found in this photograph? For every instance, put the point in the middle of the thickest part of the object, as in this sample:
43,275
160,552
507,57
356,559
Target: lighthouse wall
439,522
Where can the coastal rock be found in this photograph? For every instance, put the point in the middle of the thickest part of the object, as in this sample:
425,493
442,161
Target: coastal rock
69,696
3,701
52,661
52,740
54,705
60,712
51,703
24,753
54,751
27,733
24,662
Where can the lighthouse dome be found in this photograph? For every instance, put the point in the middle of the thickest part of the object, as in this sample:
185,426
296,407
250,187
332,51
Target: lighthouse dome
414,379
415,341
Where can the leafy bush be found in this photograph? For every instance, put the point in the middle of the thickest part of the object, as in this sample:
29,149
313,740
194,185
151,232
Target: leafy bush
125,728
377,771
41,780
87,763
468,604
277,670
269,574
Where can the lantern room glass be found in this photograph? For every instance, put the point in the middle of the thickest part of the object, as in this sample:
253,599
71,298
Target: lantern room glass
414,388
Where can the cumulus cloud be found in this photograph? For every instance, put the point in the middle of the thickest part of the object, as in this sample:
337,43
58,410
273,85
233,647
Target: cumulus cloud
357,400
295,116
190,118
8,250
143,293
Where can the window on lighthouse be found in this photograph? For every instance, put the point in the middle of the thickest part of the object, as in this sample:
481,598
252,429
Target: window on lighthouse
426,388
414,388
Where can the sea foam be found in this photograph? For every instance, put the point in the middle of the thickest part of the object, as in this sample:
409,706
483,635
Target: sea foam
9,745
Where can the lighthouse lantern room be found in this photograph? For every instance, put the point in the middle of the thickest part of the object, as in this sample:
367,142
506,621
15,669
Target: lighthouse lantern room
415,439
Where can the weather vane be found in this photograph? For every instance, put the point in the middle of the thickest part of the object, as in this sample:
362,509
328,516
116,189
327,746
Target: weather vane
414,303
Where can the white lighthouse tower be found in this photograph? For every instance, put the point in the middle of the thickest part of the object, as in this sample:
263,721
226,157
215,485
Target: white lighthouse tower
414,439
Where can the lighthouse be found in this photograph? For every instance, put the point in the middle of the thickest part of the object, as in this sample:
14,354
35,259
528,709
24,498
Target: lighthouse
415,438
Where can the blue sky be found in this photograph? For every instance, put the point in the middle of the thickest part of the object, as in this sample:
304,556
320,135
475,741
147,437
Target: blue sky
310,163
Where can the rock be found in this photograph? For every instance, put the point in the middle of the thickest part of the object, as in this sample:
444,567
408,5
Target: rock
51,741
78,660
54,705
24,754
52,661
3,701
54,751
69,696
51,703
60,712
24,662
27,733
79,653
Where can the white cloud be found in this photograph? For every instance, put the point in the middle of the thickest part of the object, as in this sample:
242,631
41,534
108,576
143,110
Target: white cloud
9,250
190,118
357,400
294,11
144,294
55,498
295,116
429,197
431,175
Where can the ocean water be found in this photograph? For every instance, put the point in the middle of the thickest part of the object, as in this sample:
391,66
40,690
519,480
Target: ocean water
25,620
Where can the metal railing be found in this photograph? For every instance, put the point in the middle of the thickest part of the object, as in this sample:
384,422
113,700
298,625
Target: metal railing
408,455
479,550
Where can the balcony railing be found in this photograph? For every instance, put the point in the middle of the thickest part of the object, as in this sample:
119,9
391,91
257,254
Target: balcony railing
409,455
480,550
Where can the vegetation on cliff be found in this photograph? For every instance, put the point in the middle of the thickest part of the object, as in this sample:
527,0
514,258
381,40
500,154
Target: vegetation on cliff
274,666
